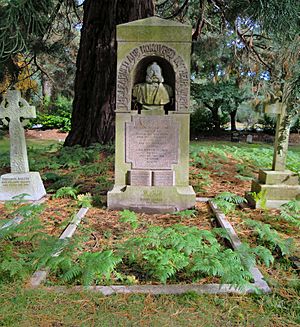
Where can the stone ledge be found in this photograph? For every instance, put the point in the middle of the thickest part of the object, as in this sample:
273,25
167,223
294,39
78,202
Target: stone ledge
151,199
277,192
270,204
273,177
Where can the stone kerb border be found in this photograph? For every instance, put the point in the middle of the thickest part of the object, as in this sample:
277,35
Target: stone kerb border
235,242
259,283
18,219
124,76
40,275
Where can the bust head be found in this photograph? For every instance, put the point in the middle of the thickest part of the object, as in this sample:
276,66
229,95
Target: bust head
154,74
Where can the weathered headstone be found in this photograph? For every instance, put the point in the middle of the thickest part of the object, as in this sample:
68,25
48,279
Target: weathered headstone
279,185
249,138
20,180
152,117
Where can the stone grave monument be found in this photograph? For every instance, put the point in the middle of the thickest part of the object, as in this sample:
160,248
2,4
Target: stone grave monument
278,185
20,180
152,117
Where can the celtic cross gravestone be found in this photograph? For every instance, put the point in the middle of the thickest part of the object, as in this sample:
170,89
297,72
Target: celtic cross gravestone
13,110
278,185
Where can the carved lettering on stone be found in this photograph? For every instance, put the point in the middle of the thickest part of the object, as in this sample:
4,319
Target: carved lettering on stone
140,177
163,178
152,142
151,196
15,181
124,83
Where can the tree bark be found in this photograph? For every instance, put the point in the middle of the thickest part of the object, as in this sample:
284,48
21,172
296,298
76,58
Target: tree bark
214,108
46,86
216,121
232,120
94,101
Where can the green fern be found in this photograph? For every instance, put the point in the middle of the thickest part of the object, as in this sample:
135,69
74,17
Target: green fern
92,267
127,216
227,201
260,198
188,213
163,253
231,198
270,237
66,192
290,212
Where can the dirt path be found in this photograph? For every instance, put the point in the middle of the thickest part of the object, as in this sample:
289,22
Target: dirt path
51,134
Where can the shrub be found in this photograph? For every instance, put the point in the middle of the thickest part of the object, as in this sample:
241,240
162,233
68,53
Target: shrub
268,124
55,114
201,121
295,128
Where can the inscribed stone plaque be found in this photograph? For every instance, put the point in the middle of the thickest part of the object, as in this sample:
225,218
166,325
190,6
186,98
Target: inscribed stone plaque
163,178
152,142
15,181
140,177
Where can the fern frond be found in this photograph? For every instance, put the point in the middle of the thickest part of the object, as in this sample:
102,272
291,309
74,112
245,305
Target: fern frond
231,198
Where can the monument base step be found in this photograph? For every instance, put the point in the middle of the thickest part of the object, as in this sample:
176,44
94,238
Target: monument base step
276,192
274,177
17,184
151,199
264,204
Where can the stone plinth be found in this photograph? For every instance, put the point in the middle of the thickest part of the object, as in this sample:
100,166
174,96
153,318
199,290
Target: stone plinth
151,199
30,184
276,188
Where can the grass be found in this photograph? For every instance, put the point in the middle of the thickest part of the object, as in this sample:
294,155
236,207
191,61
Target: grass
25,307
22,307
31,143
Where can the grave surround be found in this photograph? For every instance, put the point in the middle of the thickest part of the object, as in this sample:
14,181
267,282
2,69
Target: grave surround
152,146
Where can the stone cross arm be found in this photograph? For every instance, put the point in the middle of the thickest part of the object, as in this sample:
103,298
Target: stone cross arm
15,107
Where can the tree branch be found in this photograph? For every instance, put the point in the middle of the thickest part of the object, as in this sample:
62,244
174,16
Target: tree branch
208,105
179,10
200,21
250,47
161,4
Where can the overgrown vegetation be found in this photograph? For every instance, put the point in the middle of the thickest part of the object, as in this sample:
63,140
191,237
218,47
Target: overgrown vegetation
140,252
54,114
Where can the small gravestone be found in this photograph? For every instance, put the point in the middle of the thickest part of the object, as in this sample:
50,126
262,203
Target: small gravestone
249,138
20,181
235,136
152,117
278,185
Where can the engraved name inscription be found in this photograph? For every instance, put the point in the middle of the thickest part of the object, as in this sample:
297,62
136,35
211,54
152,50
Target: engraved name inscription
151,196
153,49
152,142
151,178
140,178
15,181
163,178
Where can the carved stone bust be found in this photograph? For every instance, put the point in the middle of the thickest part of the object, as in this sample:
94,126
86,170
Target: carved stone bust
153,93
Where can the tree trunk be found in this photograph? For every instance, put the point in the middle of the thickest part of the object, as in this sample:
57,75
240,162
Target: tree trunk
216,120
232,120
46,86
94,101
